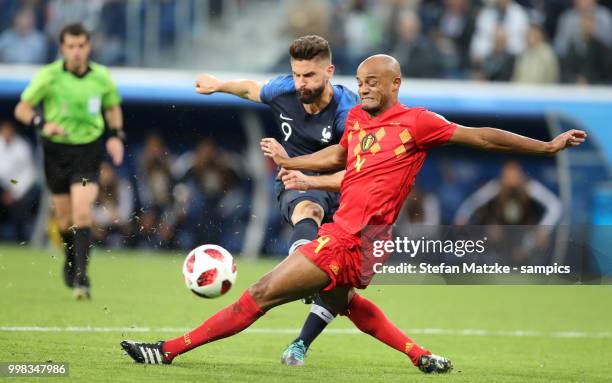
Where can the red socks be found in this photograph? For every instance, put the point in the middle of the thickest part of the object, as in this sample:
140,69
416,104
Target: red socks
244,312
371,320
227,322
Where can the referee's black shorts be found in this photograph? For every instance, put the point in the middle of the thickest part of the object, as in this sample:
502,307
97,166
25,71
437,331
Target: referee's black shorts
69,164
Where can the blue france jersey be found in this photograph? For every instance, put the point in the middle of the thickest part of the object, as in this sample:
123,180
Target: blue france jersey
304,133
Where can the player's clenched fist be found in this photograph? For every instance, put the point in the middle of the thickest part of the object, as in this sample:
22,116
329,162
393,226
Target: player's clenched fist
294,179
114,147
273,149
52,129
207,84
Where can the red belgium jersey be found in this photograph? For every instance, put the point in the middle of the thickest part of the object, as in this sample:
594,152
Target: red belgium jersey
385,154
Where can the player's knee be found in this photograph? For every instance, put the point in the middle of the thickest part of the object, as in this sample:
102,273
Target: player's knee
308,209
81,218
64,220
260,291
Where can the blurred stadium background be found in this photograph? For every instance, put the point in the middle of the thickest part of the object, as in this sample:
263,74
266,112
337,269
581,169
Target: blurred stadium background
194,172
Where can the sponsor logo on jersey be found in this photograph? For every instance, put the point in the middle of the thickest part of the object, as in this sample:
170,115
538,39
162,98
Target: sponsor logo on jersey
322,242
408,347
334,268
285,118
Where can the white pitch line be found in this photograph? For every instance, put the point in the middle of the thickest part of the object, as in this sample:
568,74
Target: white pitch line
340,331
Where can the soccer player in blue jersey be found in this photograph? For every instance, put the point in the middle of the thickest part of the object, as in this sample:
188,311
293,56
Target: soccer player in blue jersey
311,113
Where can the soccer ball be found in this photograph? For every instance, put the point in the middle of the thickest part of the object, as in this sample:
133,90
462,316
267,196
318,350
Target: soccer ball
209,271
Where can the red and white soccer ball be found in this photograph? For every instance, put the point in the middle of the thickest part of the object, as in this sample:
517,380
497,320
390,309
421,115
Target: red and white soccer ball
209,271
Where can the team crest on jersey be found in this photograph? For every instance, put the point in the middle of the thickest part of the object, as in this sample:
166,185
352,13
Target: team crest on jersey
326,134
367,141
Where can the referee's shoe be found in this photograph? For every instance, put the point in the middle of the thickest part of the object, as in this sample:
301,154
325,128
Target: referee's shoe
81,293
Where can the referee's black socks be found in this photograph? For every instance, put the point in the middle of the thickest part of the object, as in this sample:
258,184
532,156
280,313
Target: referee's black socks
304,231
82,242
69,267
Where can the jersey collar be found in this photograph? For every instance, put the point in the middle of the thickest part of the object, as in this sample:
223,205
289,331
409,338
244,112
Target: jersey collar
74,74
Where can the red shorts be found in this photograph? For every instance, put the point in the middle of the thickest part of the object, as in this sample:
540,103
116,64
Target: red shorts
339,254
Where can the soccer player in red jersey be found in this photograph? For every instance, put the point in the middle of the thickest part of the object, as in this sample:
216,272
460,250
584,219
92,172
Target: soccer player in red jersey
383,148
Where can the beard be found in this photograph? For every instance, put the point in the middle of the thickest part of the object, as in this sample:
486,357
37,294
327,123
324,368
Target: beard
373,110
309,96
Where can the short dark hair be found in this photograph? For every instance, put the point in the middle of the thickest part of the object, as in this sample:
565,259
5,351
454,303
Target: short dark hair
310,47
76,29
4,123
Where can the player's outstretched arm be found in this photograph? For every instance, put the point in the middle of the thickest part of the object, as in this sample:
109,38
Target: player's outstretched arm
296,180
24,112
503,141
209,84
330,158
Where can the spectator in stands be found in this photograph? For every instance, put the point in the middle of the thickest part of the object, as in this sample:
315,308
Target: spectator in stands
388,12
587,59
420,216
420,209
235,205
307,17
154,173
362,31
209,181
8,11
453,175
167,23
19,194
570,29
23,44
512,199
313,17
454,29
505,205
499,64
113,208
419,58
508,15
155,183
538,64
64,12
110,39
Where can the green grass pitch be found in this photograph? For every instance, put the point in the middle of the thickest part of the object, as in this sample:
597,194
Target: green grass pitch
567,330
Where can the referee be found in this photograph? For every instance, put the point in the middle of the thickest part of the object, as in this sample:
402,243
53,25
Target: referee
76,97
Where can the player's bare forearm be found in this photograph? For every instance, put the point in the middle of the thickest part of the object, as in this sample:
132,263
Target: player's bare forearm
328,182
330,158
502,141
114,117
24,112
114,145
296,180
247,89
